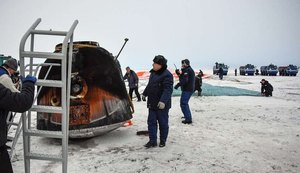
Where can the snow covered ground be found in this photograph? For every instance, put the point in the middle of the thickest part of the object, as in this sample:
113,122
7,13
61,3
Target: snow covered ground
228,134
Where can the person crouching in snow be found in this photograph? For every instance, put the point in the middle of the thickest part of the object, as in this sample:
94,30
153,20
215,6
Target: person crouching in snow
266,88
159,92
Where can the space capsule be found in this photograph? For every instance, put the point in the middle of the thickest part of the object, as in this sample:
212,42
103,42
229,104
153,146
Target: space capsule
99,102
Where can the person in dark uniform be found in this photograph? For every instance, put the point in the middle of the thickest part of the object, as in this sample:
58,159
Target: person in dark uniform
266,88
198,83
221,73
187,84
159,92
133,83
200,73
16,102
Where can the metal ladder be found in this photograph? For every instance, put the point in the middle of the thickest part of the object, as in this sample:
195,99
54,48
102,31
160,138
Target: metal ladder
14,133
66,63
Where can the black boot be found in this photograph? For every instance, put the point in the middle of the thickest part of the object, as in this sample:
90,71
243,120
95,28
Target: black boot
150,144
162,144
186,122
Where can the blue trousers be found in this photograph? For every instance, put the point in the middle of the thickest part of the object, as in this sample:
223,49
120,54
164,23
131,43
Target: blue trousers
160,117
184,105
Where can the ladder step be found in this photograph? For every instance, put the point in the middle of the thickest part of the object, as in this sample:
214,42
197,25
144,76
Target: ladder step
43,55
49,83
39,156
44,133
10,138
13,123
46,109
45,32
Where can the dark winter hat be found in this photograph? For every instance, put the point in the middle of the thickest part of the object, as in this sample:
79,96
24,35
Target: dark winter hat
11,63
161,60
263,80
185,62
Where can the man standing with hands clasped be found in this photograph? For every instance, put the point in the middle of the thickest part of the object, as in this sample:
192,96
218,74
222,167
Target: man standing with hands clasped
159,92
187,84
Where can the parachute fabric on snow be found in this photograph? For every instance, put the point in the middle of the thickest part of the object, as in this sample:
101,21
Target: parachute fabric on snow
210,90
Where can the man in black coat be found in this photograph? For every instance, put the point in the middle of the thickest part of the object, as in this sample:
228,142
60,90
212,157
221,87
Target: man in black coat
266,88
133,83
159,92
221,73
16,102
187,84
198,83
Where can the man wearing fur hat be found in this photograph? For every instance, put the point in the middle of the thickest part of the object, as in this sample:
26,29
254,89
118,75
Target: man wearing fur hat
187,84
159,92
7,70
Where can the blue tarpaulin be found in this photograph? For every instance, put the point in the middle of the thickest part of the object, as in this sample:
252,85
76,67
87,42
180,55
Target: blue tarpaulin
211,90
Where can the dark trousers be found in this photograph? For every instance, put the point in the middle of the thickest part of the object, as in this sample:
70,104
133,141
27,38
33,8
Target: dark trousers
268,93
160,117
199,91
5,165
184,104
221,76
136,91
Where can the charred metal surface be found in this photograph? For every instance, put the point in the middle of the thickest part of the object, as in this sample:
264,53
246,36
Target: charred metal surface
98,93
80,115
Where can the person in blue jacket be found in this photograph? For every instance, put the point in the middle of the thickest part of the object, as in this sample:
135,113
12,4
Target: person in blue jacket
187,84
159,92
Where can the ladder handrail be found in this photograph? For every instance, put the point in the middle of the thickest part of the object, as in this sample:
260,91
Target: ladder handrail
68,36
66,102
23,41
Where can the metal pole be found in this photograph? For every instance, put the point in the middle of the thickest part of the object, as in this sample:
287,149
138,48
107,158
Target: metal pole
126,39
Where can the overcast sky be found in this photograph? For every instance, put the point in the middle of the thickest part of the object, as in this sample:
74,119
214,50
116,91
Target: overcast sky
236,32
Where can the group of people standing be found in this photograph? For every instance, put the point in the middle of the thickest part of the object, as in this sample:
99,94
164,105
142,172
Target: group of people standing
159,93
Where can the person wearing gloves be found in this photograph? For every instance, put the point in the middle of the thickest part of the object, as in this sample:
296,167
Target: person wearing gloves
16,102
187,84
159,93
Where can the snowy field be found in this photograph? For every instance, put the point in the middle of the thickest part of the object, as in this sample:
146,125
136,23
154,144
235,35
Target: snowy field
236,134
